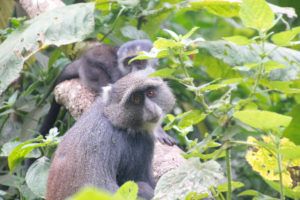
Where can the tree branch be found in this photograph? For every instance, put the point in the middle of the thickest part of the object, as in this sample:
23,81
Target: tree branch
36,7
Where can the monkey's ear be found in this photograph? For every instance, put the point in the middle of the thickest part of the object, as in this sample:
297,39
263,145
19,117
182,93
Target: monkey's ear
106,93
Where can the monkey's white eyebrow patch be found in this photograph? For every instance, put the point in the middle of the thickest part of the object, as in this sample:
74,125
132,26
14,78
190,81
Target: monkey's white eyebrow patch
105,93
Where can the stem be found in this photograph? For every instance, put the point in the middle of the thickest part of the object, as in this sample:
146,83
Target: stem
187,75
261,67
228,172
114,24
279,163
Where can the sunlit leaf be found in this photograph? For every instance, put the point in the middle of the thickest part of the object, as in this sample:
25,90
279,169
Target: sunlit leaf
272,65
264,120
164,73
190,118
284,38
89,193
196,196
292,131
238,39
234,184
128,191
257,14
20,151
264,161
162,43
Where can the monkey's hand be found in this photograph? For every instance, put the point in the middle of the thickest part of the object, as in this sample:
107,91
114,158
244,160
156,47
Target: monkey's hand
163,137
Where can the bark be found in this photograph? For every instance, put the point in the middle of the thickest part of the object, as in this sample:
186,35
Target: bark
36,7
76,98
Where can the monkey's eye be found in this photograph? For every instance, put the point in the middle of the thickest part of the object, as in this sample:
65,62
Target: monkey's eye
137,98
126,62
150,92
140,63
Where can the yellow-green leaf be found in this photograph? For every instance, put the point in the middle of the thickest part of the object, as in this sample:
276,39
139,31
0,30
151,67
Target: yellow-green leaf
238,39
257,14
190,118
271,65
264,120
284,38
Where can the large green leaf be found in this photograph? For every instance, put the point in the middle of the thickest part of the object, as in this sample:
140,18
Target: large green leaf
292,131
58,27
37,175
193,176
257,14
128,191
220,55
284,38
22,150
231,8
263,120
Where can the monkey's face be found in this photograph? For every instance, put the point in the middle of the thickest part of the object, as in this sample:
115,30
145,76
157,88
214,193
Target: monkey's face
131,49
138,103
136,65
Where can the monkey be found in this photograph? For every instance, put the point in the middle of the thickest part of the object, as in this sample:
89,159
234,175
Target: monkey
95,68
102,65
113,141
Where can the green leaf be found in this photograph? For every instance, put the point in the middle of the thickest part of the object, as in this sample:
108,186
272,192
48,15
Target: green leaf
162,43
191,118
132,32
128,191
272,65
249,193
164,73
218,58
292,131
221,8
190,33
20,151
263,120
285,38
172,34
290,152
293,193
230,8
282,86
196,196
238,39
257,14
189,176
89,193
60,26
224,187
37,175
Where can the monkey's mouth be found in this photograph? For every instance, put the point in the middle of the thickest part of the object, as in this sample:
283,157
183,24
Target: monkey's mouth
154,120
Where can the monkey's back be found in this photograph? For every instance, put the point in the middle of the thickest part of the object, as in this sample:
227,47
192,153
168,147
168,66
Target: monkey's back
93,152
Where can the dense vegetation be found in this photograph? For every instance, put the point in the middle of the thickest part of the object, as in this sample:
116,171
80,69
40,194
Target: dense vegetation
233,65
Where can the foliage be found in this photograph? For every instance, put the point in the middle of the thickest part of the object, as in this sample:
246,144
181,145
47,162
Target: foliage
237,86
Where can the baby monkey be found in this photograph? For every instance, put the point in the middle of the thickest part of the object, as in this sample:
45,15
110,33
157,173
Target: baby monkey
112,142
103,65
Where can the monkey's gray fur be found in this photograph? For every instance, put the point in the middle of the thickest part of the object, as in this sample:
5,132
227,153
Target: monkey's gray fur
113,142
